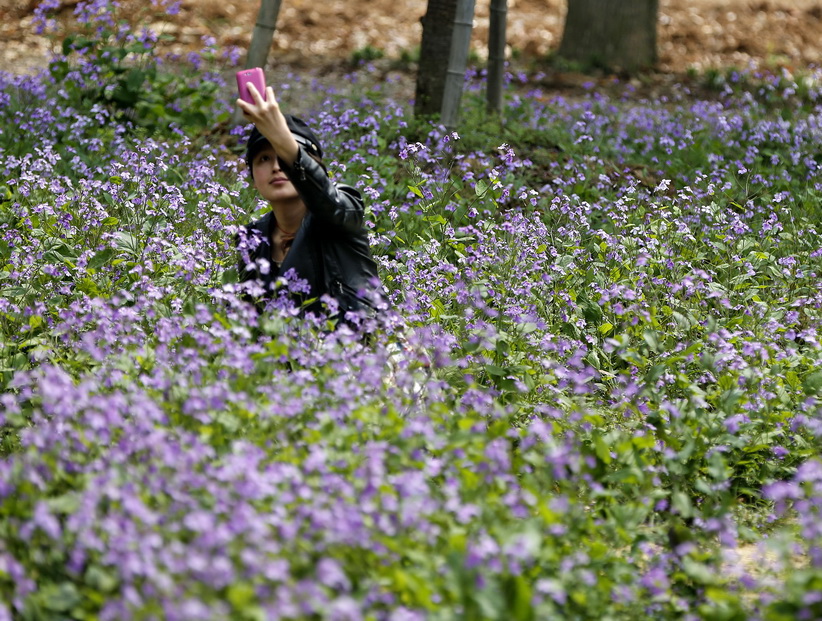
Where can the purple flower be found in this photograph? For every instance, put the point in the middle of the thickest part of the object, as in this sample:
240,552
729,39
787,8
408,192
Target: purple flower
733,423
331,574
656,581
780,452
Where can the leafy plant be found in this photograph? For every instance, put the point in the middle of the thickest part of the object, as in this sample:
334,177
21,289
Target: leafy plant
107,61
598,378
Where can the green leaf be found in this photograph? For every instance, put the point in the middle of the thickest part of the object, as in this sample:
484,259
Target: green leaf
101,579
87,285
127,243
60,597
229,276
101,258
682,503
68,42
651,337
436,219
66,504
813,383
495,371
135,80
700,572
729,399
521,596
602,449
240,595
682,322
654,373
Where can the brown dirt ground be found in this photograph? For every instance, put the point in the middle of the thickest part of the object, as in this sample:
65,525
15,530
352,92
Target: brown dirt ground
692,33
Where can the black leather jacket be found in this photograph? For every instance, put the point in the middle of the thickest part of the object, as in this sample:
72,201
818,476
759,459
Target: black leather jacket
330,251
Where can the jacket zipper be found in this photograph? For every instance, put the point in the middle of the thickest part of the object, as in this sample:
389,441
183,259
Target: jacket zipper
298,166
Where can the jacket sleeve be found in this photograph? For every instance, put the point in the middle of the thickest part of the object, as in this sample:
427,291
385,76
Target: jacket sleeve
340,206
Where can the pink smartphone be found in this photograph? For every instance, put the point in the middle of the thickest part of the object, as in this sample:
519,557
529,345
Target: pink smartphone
254,76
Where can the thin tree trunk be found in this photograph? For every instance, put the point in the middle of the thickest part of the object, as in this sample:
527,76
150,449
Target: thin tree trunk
437,27
261,40
614,34
263,33
496,54
457,62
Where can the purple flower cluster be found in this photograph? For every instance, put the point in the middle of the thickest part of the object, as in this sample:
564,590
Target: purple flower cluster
597,354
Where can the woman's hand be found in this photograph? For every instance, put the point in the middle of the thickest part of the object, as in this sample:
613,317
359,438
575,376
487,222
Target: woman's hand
266,115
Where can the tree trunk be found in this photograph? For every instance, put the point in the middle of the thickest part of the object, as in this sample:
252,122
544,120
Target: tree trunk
457,62
263,33
613,34
435,50
261,39
496,54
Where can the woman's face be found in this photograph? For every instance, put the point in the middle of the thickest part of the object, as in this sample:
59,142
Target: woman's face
269,179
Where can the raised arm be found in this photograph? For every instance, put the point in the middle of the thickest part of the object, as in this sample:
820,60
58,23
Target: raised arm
338,206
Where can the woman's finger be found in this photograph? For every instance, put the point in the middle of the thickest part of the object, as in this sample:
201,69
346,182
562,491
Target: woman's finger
255,94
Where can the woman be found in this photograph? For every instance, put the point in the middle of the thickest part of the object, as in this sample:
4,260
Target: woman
315,227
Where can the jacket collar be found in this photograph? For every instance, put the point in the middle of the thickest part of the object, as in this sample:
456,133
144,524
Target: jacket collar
266,226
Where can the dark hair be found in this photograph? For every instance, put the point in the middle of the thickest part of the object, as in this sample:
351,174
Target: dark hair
302,134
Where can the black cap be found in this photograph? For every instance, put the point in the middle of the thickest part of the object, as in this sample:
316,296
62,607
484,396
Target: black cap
302,134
